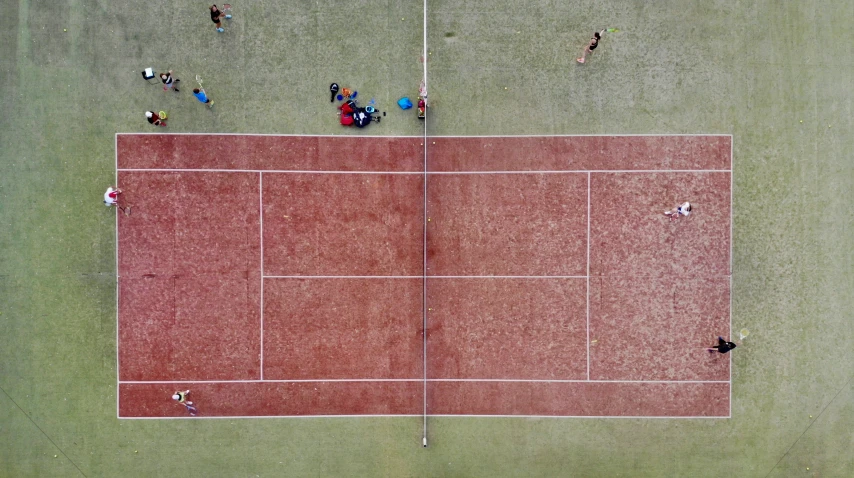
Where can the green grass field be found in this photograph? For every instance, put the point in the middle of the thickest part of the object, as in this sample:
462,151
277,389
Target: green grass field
777,75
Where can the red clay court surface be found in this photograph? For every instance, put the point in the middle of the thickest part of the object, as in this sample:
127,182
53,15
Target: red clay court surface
285,275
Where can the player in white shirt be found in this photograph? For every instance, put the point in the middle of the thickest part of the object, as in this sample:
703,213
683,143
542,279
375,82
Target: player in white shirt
683,209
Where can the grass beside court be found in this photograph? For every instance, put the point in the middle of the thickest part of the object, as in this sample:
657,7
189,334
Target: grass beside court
753,69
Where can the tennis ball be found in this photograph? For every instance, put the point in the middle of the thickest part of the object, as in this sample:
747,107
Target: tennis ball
65,29
802,121
505,87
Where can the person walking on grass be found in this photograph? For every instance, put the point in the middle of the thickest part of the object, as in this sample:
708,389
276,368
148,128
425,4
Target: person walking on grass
723,346
588,49
111,198
683,209
216,15
200,95
155,119
181,397
169,81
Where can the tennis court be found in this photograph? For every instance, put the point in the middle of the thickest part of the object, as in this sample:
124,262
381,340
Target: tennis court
322,275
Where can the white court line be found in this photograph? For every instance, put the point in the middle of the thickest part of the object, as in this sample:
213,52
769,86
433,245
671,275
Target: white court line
586,171
253,171
445,173
424,292
286,135
606,135
458,277
116,145
293,135
421,277
522,380
261,220
508,380
588,276
343,277
238,417
506,277
575,416
162,382
731,246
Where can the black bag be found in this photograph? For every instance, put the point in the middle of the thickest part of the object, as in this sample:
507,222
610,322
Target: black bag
333,88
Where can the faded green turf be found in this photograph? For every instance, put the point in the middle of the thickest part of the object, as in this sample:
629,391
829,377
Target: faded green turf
754,69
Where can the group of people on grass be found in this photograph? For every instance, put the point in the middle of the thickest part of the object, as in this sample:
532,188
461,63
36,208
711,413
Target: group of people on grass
171,83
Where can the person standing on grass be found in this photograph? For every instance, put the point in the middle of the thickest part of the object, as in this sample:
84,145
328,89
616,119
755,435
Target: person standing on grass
200,95
169,81
154,119
111,198
181,397
216,13
683,209
594,42
723,346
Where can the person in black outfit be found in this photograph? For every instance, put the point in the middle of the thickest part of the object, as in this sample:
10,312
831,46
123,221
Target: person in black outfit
215,17
723,346
594,42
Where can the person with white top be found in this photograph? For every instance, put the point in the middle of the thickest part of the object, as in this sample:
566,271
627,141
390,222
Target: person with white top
111,198
181,397
683,209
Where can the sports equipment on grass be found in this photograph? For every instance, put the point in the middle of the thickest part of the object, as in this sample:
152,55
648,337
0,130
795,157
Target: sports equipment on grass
743,333
226,8
162,115
199,80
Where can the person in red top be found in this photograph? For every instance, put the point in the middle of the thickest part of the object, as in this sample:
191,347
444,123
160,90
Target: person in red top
347,110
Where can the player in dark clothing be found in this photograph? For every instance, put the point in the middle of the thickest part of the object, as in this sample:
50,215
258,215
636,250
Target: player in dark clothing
215,14
723,346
